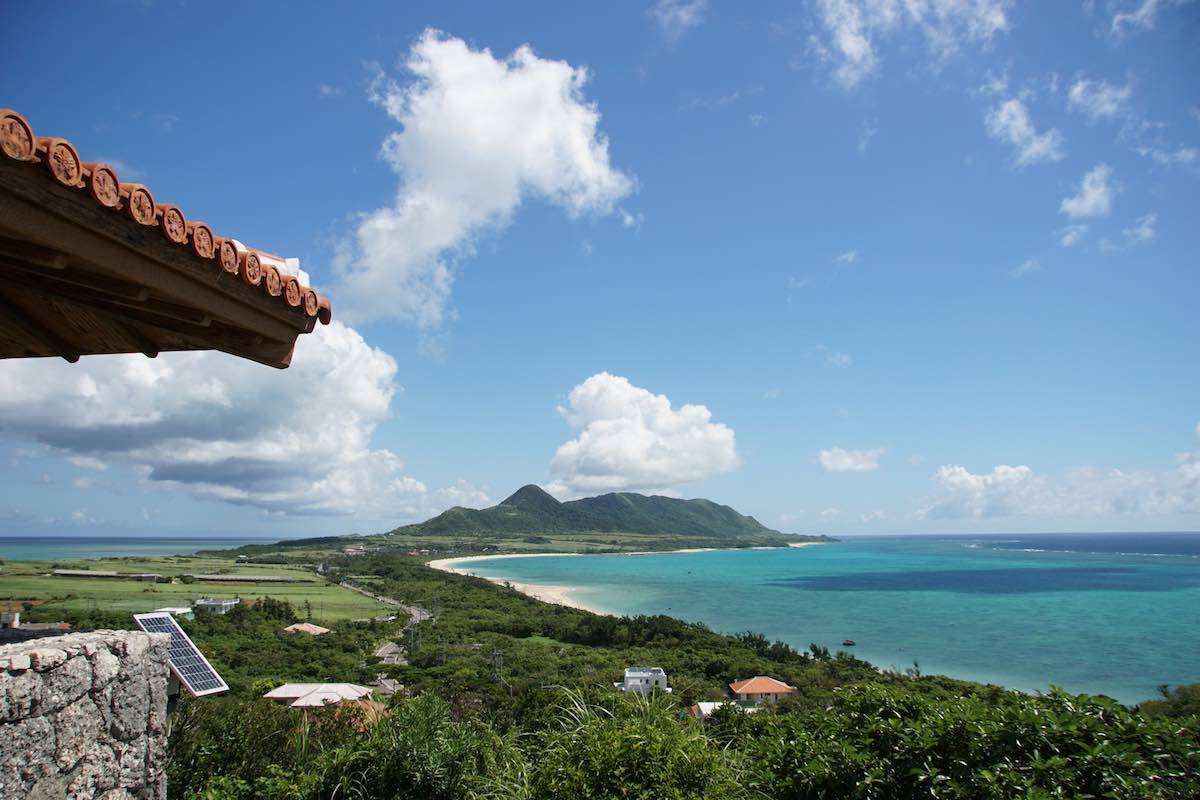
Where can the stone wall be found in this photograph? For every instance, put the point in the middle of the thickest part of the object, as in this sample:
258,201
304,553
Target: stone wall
84,715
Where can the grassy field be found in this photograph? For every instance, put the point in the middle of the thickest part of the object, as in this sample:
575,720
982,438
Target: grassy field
27,581
163,565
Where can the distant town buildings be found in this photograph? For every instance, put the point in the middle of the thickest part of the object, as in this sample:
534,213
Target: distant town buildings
355,550
213,606
761,689
643,680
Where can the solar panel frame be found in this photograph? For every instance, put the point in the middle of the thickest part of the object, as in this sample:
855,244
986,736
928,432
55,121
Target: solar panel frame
187,662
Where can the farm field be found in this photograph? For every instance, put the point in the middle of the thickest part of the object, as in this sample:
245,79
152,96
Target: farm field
22,581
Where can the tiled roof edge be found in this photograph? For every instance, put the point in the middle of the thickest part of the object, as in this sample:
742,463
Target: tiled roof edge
256,267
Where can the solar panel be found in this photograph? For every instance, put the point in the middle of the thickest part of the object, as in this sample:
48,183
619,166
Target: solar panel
187,662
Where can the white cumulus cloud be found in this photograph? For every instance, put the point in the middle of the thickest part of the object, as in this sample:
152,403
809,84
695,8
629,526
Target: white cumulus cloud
853,28
832,357
1098,99
1072,235
1142,231
677,17
478,135
1084,492
838,459
1184,156
296,441
1026,267
626,438
1094,196
1010,122
1140,15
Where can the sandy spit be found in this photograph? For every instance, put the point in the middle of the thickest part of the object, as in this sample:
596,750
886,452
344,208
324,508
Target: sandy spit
561,595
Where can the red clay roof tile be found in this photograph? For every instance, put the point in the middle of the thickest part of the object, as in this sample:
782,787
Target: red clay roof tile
761,684
18,142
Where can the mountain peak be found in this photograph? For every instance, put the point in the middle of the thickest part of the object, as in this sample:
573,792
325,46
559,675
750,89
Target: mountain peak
531,497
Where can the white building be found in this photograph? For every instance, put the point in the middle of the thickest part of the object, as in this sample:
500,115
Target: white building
215,606
704,709
761,689
183,612
310,695
643,680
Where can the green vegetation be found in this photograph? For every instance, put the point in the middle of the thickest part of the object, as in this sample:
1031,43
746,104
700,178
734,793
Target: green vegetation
510,698
870,742
659,523
58,597
1181,703
488,644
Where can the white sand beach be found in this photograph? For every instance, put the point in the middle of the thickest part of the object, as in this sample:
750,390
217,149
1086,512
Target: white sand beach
560,595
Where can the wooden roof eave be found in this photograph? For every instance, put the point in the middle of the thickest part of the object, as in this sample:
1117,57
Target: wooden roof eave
68,238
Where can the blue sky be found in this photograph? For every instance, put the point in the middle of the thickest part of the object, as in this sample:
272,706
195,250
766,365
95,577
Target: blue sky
846,266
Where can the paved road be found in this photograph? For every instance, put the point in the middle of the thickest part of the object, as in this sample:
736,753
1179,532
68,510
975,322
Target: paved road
416,614
394,652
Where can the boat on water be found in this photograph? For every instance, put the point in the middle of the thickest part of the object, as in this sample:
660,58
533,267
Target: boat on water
848,643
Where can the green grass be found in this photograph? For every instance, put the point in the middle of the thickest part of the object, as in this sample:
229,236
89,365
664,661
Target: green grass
25,580
163,565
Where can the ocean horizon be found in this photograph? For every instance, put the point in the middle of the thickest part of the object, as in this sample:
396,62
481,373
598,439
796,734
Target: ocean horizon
1109,614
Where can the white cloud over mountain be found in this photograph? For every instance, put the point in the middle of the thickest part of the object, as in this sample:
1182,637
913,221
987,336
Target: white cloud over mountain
296,441
625,438
853,29
838,459
478,136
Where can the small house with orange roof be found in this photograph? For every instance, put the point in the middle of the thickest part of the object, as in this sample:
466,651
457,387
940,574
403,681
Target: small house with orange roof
761,689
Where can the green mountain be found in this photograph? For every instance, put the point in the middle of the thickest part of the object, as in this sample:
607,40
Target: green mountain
531,511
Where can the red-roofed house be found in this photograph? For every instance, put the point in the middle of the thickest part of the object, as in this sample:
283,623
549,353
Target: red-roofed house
761,689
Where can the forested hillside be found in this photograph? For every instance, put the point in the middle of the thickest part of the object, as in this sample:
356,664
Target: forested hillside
531,510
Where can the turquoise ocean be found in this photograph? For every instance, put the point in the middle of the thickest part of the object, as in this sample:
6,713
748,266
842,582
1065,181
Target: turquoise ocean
1114,614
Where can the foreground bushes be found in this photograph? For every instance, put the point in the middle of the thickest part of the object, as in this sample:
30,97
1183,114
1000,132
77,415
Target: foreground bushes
886,742
873,742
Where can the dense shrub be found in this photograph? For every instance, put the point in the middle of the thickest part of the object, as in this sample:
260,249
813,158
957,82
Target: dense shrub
640,749
888,742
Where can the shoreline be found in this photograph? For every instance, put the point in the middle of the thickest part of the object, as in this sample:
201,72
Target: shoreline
546,593
561,594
